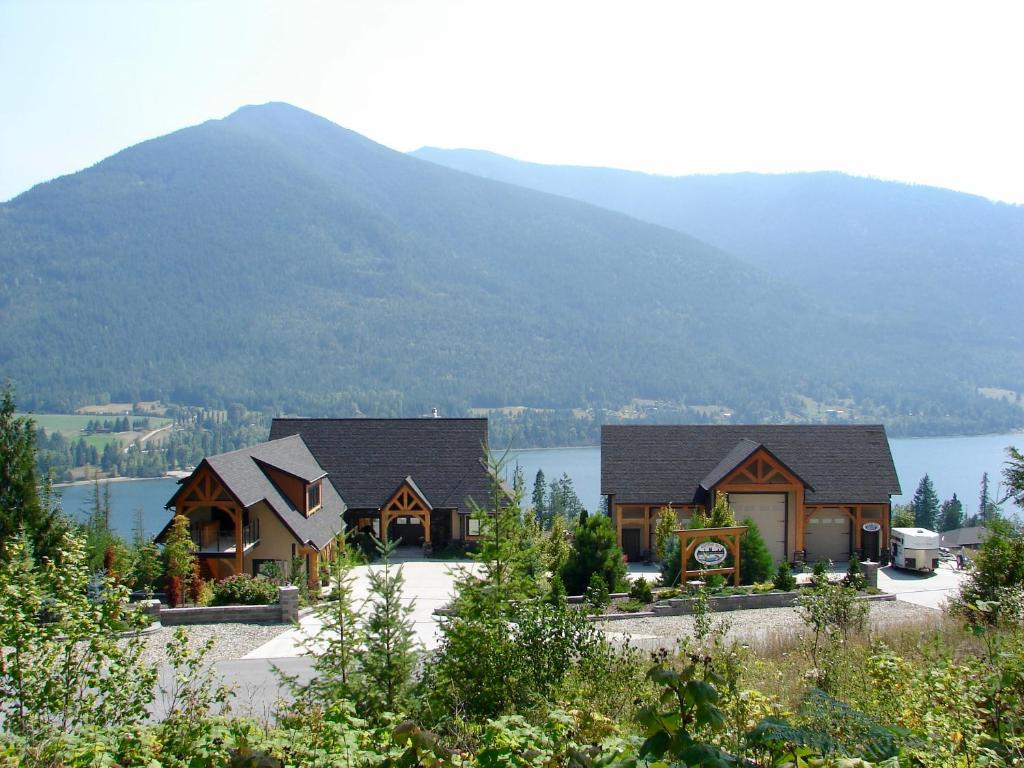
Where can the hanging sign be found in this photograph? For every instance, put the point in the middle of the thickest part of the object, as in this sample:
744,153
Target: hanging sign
872,527
710,553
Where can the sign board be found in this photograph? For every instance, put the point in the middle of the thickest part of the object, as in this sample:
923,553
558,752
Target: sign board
871,527
710,553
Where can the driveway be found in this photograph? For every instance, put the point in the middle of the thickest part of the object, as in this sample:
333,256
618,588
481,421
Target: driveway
931,590
429,584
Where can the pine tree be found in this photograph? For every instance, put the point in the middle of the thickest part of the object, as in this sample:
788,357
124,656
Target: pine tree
925,505
988,507
593,551
756,562
539,499
951,515
389,654
1013,473
25,501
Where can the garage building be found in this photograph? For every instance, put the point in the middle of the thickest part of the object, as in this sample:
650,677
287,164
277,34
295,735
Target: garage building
815,491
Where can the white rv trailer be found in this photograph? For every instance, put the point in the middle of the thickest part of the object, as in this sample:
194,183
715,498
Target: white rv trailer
915,549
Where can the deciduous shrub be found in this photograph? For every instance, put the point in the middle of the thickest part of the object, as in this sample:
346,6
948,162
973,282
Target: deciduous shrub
243,589
597,591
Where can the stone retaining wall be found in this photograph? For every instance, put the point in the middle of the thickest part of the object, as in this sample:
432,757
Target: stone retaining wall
286,611
684,605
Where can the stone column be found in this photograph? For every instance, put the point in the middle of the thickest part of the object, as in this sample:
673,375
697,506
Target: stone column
288,598
870,573
151,609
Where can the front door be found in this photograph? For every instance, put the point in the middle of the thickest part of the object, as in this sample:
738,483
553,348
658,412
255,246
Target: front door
631,543
408,531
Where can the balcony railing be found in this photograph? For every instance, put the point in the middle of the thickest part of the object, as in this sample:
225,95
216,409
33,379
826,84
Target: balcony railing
219,541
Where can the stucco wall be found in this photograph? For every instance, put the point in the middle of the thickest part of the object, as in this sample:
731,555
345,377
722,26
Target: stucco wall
275,540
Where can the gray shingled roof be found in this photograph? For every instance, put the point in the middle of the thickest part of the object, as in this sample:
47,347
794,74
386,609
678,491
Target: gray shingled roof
240,472
848,464
367,459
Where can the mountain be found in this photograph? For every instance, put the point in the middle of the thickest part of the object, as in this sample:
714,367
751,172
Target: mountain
936,265
275,259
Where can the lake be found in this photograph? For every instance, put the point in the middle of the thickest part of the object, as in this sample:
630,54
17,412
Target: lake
955,465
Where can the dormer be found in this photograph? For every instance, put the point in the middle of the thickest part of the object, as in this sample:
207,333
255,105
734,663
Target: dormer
303,493
313,496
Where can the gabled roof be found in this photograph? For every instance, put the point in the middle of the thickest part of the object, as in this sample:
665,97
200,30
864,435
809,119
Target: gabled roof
656,464
367,459
964,537
415,489
241,473
743,450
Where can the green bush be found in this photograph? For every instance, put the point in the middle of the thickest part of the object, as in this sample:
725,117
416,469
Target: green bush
640,590
756,562
593,551
672,564
630,606
714,582
597,591
855,577
784,579
243,589
819,576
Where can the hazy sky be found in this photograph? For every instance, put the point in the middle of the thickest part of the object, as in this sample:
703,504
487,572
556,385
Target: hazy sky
927,92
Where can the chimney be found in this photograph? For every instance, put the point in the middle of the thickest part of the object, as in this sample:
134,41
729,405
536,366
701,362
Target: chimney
433,412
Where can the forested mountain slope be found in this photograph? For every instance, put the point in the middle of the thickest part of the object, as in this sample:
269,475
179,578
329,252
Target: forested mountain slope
936,265
276,259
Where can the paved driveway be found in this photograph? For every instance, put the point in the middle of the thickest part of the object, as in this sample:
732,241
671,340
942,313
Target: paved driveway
931,590
429,584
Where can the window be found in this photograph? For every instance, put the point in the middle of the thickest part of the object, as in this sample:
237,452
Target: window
313,496
472,527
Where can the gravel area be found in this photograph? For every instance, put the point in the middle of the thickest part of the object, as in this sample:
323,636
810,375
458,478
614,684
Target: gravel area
230,640
753,627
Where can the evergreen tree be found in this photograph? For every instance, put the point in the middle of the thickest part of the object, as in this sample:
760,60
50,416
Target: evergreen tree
389,652
336,647
562,500
951,515
25,501
925,505
1013,473
756,562
540,509
988,507
593,551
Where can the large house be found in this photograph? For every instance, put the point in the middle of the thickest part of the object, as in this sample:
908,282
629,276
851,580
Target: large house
315,479
814,491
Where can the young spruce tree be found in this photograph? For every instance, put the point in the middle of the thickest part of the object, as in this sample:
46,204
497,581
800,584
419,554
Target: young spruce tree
389,654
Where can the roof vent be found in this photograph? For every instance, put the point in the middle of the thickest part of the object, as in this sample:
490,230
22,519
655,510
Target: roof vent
433,412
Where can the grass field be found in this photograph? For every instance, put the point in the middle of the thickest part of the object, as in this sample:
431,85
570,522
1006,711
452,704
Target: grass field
71,425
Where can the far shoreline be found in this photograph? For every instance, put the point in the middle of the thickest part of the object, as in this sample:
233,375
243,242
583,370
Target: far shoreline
174,474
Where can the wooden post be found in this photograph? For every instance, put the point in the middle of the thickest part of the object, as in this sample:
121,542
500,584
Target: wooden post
239,545
425,521
857,521
385,519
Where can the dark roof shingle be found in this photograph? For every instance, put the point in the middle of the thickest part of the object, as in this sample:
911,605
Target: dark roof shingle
240,471
656,464
367,459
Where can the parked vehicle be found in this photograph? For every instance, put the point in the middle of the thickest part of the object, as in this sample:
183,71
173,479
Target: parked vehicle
915,549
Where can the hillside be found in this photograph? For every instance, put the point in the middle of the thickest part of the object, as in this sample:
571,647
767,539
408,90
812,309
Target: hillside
275,259
933,264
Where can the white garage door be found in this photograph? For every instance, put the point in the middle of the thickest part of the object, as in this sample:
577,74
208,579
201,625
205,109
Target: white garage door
828,536
768,510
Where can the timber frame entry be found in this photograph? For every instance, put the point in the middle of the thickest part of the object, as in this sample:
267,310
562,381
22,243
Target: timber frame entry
762,472
206,489
689,538
405,502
